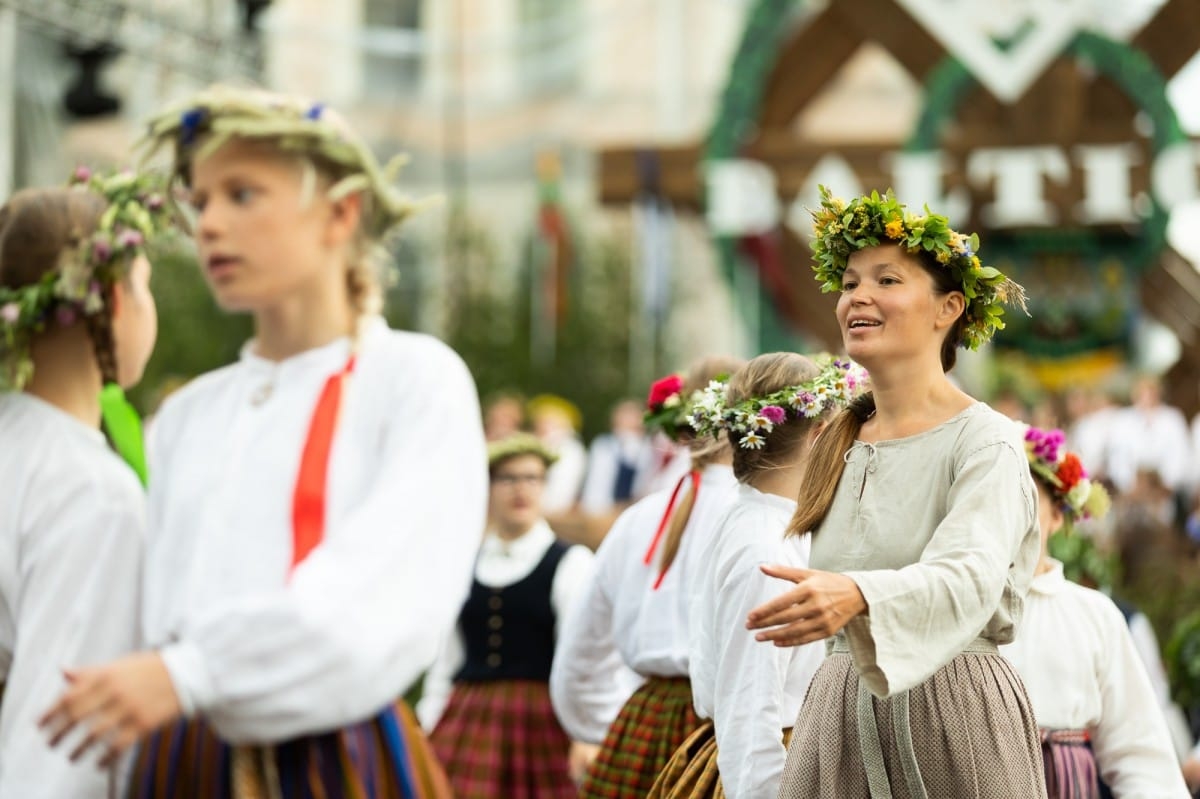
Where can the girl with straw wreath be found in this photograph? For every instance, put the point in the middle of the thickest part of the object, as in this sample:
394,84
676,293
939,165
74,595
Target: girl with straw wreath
315,507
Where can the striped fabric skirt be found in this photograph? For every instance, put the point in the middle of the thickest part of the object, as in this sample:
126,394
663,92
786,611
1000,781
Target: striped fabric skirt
502,739
1070,765
384,758
650,727
966,732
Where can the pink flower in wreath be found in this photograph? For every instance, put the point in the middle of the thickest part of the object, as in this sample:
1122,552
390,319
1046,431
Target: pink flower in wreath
10,313
774,414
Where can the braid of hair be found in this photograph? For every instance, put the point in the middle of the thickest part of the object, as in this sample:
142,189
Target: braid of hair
99,327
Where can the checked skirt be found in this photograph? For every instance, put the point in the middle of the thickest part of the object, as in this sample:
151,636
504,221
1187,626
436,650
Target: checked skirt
501,739
640,742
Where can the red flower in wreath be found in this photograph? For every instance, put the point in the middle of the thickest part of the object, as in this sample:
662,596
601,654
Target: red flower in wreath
662,389
1070,471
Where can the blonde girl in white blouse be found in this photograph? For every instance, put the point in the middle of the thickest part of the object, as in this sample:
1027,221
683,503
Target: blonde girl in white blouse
314,507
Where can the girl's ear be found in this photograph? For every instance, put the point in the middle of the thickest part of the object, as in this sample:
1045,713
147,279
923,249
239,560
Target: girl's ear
344,218
953,305
1057,519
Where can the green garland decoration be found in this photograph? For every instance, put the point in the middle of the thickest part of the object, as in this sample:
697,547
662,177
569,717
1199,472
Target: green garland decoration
762,37
1134,73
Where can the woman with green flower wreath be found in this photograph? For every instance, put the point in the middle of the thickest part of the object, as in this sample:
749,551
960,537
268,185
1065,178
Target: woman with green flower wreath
314,508
633,614
1099,718
770,413
924,532
76,315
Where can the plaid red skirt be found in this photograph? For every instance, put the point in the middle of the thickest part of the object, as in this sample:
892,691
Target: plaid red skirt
650,727
384,758
501,740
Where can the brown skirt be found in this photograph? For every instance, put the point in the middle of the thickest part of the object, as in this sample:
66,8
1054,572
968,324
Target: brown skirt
967,732
692,771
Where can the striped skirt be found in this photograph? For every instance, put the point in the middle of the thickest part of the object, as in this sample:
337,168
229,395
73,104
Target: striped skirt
1070,765
650,727
384,758
502,739
966,732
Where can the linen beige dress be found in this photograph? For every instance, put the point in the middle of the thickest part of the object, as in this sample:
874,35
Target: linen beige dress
939,530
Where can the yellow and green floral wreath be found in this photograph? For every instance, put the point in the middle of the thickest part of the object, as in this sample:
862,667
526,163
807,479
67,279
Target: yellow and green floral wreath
841,228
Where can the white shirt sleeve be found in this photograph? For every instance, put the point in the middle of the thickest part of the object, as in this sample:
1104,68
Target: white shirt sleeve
80,578
749,683
571,578
921,616
439,680
1133,748
584,681
365,613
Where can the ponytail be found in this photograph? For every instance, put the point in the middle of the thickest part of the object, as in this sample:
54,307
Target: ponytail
826,462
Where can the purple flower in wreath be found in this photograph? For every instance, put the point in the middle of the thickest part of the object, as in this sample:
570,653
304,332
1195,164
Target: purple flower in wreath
314,113
154,202
773,414
65,315
129,239
101,250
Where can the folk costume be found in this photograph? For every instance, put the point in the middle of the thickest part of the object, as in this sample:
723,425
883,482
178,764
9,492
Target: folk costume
72,514
71,531
748,694
634,613
896,707
310,530
1090,695
487,699
1099,719
939,532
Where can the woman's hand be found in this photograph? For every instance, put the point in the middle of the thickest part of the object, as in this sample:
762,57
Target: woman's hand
579,759
821,604
115,705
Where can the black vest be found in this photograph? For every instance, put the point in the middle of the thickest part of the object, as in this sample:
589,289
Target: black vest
509,631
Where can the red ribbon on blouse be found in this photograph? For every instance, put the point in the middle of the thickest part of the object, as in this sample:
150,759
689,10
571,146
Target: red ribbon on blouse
662,525
308,500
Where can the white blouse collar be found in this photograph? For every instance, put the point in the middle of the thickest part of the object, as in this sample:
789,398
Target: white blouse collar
749,492
1049,582
533,543
335,352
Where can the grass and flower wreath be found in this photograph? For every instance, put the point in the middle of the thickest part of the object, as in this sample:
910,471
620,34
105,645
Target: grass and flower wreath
1076,494
841,228
136,214
749,422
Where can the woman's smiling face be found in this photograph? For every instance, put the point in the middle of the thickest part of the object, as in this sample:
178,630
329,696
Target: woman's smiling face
890,307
